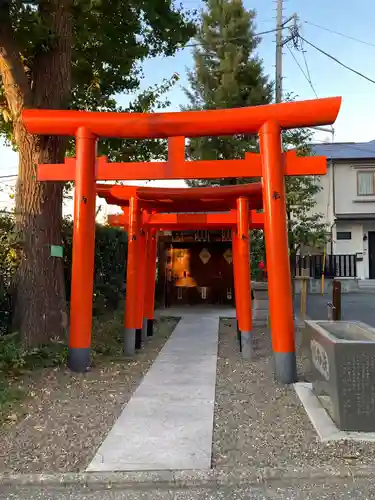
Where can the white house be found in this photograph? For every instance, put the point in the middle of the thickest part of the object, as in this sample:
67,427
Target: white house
348,201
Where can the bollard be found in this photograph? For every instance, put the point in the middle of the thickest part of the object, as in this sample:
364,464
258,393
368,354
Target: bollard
336,300
330,309
304,289
304,280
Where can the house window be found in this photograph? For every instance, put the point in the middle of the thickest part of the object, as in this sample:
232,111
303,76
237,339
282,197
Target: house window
366,183
344,235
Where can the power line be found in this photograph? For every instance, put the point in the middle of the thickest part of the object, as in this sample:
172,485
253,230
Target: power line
8,176
340,34
308,72
237,39
337,61
302,71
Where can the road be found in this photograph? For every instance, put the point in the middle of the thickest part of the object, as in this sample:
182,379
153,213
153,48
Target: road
355,306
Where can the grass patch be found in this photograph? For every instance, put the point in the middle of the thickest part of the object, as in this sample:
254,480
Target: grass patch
16,363
9,395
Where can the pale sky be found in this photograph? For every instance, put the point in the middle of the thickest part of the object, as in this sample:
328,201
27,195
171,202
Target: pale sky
356,119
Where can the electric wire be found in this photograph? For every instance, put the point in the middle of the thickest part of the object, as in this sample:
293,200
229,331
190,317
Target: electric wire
8,176
340,34
303,72
337,60
308,73
235,39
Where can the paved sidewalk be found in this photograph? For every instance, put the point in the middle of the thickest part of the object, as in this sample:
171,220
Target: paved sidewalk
168,423
315,490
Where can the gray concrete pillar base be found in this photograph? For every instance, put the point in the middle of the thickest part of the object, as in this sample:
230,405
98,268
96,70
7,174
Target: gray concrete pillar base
285,364
150,327
144,330
138,339
247,345
79,359
129,341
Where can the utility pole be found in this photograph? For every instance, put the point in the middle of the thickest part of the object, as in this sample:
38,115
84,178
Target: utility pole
280,42
279,51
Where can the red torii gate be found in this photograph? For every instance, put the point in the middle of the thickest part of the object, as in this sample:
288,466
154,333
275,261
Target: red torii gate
153,223
140,256
267,121
180,222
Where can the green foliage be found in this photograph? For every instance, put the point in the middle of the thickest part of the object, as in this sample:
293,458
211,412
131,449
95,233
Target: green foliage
227,74
8,396
306,227
257,253
110,266
150,100
16,362
110,42
8,266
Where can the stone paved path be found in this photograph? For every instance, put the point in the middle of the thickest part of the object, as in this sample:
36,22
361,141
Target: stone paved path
168,423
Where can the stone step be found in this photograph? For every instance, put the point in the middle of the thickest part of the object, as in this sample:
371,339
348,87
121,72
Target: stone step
366,284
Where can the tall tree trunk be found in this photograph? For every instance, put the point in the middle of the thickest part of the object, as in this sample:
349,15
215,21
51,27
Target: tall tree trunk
40,303
40,306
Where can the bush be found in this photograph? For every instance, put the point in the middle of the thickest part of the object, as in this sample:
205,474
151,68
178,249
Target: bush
110,265
8,266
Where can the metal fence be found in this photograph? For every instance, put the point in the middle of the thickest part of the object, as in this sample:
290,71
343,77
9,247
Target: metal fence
335,266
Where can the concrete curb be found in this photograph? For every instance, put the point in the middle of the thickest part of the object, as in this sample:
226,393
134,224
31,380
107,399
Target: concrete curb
180,479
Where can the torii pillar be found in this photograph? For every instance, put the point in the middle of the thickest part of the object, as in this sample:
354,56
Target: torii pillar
83,252
131,309
278,264
242,276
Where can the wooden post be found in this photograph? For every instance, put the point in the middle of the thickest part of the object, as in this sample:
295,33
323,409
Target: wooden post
243,276
83,253
336,300
304,291
278,263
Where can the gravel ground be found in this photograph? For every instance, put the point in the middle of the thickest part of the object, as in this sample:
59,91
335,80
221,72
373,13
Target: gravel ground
260,423
257,422
65,417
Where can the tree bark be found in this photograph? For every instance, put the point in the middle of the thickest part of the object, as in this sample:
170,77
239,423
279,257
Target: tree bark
40,311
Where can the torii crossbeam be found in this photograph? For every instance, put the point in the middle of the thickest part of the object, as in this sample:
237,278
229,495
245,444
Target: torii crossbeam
187,221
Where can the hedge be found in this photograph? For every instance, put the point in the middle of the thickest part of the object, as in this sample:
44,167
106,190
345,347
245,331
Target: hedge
110,265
